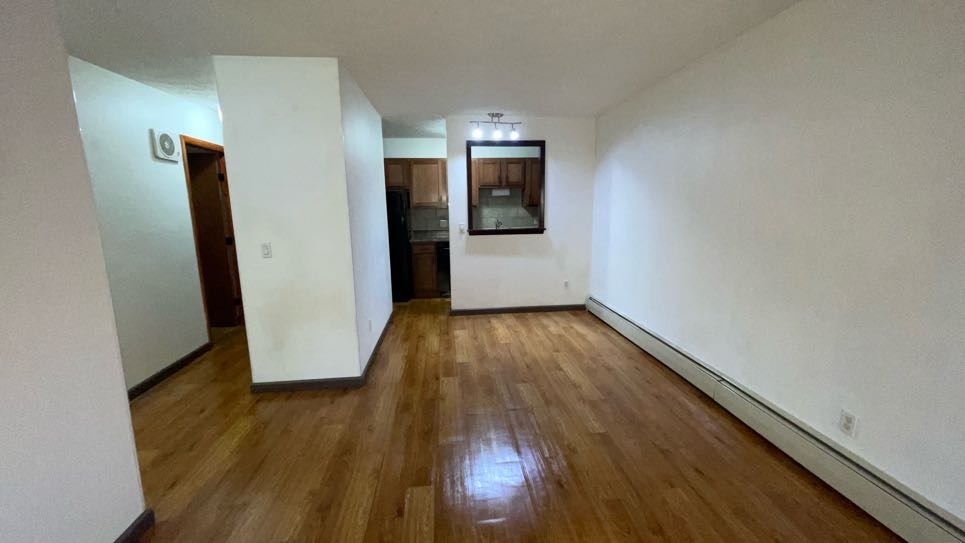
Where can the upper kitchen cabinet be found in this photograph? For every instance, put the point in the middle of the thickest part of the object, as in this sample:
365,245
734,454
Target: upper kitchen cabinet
425,178
474,182
490,172
514,172
532,195
397,173
523,172
428,183
500,172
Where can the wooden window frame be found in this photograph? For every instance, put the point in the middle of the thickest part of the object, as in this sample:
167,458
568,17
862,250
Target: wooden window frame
542,186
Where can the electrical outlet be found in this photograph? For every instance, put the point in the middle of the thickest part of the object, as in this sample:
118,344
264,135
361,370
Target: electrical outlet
266,250
848,423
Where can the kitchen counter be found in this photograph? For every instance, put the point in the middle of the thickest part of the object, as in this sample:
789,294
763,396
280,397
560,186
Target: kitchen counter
429,235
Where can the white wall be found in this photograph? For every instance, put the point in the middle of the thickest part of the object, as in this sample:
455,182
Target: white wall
525,270
790,210
283,143
482,151
68,469
414,147
365,176
145,220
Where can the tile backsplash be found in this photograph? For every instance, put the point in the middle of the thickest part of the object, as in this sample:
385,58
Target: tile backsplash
507,210
429,218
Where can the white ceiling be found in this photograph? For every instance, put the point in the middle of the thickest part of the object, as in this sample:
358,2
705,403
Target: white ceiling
421,60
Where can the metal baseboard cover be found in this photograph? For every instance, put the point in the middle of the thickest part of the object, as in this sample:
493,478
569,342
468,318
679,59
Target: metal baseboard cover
898,508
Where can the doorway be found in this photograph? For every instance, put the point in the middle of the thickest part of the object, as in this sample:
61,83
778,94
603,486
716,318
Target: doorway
214,237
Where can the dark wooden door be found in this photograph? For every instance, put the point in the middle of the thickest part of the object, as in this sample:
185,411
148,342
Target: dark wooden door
214,238
231,248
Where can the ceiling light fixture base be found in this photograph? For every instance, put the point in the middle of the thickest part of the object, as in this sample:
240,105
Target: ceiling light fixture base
496,120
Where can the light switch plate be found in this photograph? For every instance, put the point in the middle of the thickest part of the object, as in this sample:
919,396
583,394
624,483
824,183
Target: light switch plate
266,250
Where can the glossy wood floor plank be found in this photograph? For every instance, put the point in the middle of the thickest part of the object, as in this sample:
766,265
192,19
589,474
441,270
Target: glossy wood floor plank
519,427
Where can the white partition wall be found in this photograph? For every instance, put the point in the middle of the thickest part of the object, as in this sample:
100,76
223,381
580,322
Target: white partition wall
552,268
291,164
68,468
368,221
414,147
789,210
142,208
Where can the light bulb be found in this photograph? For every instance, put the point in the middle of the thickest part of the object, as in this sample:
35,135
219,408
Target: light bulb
497,134
514,135
477,133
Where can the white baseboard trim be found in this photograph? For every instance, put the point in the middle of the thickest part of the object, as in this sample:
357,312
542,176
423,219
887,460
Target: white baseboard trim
900,509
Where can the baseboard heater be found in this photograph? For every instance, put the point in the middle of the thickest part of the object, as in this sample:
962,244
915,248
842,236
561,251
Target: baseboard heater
900,509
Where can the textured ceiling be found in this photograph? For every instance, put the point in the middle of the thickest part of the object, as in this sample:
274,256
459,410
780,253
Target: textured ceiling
421,60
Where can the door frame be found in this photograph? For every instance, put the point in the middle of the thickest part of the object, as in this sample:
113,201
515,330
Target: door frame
214,147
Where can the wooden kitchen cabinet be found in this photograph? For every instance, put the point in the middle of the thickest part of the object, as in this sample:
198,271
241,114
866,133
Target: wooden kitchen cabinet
428,183
490,172
499,172
475,183
505,173
397,173
425,178
514,172
424,270
531,191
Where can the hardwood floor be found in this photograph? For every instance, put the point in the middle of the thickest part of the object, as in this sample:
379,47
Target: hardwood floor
517,427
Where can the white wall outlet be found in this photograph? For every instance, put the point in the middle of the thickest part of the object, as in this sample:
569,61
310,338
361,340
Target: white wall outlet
848,423
266,250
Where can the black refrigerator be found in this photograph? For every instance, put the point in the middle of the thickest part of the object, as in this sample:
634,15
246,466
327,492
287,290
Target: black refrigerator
400,252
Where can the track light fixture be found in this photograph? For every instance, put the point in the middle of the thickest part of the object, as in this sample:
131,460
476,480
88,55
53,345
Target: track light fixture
495,119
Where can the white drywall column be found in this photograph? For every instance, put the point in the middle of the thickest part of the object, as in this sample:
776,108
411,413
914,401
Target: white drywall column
368,222
68,468
283,142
